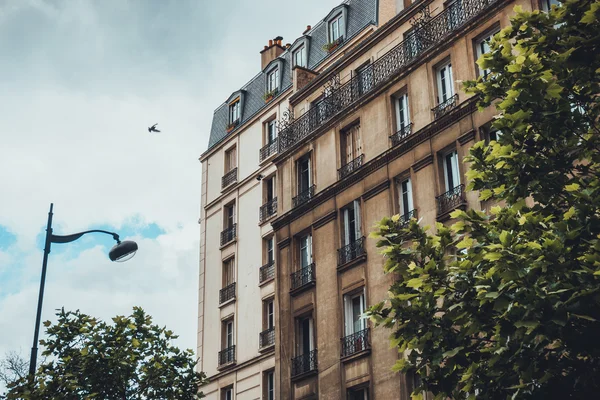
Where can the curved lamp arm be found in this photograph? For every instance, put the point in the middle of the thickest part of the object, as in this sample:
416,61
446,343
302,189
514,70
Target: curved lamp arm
70,238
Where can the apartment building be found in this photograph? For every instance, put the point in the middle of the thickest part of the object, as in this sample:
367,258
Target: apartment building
361,117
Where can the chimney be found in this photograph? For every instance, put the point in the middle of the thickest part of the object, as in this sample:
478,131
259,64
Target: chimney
271,52
308,28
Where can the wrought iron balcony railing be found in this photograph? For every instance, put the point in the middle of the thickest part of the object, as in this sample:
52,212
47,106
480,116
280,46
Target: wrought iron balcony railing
303,277
427,33
407,217
266,338
355,343
402,134
267,210
229,178
228,234
351,251
304,196
451,199
304,363
227,293
268,150
227,356
445,107
266,272
351,166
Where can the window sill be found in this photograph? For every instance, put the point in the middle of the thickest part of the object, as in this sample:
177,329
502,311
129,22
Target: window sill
352,263
356,355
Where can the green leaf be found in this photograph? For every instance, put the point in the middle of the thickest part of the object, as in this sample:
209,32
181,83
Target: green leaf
586,317
569,213
534,245
492,256
505,238
453,352
414,283
466,243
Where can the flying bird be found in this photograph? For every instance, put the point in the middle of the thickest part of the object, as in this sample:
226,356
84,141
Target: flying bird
153,128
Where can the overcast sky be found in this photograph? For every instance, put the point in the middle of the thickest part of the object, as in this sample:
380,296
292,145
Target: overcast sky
80,82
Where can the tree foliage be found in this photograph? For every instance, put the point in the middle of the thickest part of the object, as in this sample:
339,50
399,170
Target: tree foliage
12,367
507,304
128,359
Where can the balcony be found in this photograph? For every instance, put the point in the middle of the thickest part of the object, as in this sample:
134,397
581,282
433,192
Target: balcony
304,364
450,201
401,135
227,293
268,150
266,338
266,272
303,278
227,357
304,197
427,33
445,107
355,343
228,235
351,166
404,219
229,178
267,210
351,252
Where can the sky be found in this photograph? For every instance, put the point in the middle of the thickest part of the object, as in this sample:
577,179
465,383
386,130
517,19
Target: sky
80,82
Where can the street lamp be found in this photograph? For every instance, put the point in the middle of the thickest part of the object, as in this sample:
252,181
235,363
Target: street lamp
122,251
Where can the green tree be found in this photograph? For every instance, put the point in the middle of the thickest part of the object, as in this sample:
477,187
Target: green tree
507,304
129,359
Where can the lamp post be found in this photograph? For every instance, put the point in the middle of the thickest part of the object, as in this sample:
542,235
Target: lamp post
122,251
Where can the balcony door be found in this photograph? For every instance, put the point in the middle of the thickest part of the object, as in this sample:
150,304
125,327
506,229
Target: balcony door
305,251
405,196
305,336
304,181
445,82
351,144
354,306
451,170
351,215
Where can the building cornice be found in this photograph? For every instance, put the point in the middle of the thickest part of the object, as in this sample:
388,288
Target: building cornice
369,194
422,163
325,219
467,137
237,367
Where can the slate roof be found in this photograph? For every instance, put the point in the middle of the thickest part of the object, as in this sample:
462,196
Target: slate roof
361,13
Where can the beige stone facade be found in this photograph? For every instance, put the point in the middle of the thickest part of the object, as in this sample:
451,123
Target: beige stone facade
381,127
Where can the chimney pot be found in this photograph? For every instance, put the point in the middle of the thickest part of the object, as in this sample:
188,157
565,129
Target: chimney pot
288,45
308,28
270,42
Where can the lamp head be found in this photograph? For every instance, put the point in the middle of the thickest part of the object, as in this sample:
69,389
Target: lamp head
259,177
123,251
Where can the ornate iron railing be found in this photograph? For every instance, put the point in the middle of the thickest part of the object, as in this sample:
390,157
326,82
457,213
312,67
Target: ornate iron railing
445,107
304,196
228,234
304,363
227,356
407,217
266,338
402,134
351,251
355,342
227,293
351,166
451,199
267,210
426,34
268,150
266,272
229,178
303,277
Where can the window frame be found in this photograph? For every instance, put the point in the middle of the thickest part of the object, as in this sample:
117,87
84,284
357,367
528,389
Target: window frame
299,334
455,169
271,133
351,143
336,26
229,217
269,313
300,50
228,273
308,159
269,384
484,38
355,207
228,333
309,250
348,304
446,82
227,393
230,159
273,79
402,113
405,209
234,111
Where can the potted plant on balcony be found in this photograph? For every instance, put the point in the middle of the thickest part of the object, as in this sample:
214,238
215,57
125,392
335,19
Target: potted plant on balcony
331,46
268,96
231,126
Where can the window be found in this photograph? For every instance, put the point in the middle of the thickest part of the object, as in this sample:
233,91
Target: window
269,385
351,144
402,113
358,394
269,188
336,28
405,196
228,272
227,334
299,56
445,83
234,112
230,159
271,131
351,222
269,316
273,80
305,244
304,179
227,393
354,306
229,216
482,46
304,335
451,170
494,135
547,4
270,249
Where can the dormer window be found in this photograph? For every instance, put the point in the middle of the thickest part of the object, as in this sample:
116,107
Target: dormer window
234,111
299,56
273,80
336,28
